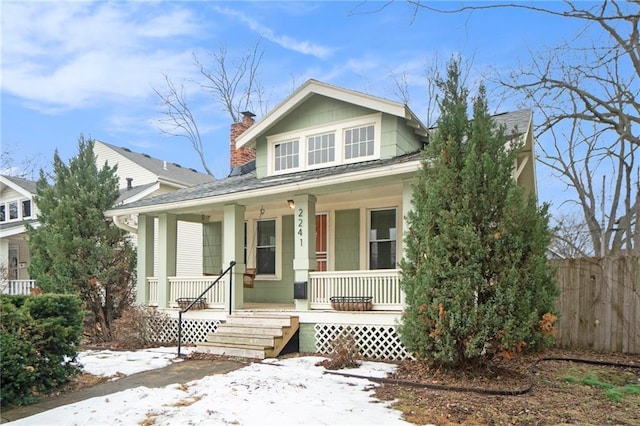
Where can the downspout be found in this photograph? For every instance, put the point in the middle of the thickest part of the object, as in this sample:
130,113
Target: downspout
120,224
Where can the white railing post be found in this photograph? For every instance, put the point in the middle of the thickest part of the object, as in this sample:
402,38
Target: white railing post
382,285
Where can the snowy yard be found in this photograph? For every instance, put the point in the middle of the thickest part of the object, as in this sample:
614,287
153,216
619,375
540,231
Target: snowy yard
290,391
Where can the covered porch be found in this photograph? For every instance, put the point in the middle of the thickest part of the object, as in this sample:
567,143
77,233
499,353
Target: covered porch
293,251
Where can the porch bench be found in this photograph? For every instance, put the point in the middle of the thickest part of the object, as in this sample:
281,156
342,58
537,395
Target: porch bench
184,302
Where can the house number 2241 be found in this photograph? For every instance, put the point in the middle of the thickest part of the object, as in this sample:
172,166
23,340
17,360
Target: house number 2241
300,225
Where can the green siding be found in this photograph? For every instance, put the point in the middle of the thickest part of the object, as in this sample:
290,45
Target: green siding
397,137
212,248
307,338
347,240
316,111
280,291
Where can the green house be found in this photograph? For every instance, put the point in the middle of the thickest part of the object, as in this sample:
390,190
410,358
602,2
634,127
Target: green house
312,209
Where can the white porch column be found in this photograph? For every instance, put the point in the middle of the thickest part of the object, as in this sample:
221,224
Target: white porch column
233,249
4,255
304,241
145,258
167,248
407,206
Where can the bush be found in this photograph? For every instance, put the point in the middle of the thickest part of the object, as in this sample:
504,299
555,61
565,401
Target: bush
135,328
38,342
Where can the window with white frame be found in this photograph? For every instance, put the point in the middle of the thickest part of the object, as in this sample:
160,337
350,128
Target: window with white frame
346,141
26,208
15,210
287,155
321,149
382,239
266,247
359,142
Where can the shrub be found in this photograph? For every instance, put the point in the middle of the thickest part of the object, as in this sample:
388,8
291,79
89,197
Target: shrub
38,341
345,352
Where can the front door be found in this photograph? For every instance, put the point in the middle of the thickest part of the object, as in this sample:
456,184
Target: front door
322,233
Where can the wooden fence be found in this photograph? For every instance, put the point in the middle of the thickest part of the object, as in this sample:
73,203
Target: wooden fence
599,303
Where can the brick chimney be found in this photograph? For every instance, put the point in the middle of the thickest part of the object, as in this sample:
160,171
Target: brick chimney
241,156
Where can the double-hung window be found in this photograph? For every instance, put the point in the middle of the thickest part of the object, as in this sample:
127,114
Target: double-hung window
266,247
382,239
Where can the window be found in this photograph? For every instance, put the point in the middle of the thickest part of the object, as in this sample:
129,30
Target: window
321,149
286,155
26,208
2,213
325,145
266,247
382,239
358,142
13,210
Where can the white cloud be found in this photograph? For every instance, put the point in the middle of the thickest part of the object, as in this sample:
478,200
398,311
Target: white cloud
290,43
62,56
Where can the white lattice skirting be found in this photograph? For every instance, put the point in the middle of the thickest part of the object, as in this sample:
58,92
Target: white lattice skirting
165,330
374,341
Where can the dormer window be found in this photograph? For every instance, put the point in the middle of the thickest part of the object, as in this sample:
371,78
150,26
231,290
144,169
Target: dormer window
346,141
321,149
15,210
287,155
358,142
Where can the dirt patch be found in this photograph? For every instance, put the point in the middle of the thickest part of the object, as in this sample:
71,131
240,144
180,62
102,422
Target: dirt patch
561,392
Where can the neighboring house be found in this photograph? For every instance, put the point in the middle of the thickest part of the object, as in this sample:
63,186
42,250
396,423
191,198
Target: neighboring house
313,208
140,176
16,209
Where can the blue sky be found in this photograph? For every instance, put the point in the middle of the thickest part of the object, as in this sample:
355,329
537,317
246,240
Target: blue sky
71,68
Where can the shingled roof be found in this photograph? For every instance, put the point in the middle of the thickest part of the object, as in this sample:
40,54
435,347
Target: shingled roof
250,181
165,170
27,185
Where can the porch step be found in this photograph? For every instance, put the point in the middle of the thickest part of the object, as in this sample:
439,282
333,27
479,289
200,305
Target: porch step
251,335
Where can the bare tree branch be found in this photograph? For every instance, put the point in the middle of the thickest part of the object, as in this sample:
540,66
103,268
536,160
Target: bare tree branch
177,119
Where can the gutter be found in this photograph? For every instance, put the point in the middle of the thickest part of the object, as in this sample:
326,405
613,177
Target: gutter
305,185
120,224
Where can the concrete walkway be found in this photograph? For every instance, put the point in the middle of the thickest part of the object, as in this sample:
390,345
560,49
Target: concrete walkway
178,372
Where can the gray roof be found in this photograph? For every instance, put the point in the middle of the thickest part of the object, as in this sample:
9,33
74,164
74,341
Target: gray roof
515,122
249,181
241,181
126,193
173,171
27,185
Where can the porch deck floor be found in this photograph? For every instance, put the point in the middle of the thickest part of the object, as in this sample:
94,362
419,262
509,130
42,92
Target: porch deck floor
257,307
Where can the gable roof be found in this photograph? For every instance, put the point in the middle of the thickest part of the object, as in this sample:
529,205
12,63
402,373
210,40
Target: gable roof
166,171
315,87
23,186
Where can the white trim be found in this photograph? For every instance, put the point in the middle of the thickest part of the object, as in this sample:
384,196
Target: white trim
368,237
312,87
15,187
400,169
142,194
337,128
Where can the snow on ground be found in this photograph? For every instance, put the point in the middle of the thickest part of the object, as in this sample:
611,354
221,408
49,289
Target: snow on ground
291,391
118,363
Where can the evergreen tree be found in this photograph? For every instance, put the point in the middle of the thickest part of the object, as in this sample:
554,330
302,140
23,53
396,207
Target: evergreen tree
75,248
475,273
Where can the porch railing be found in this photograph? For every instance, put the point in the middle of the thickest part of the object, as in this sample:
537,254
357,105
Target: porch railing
382,285
17,286
189,287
